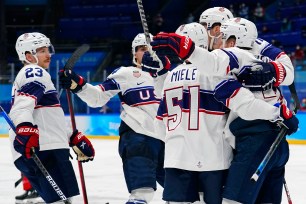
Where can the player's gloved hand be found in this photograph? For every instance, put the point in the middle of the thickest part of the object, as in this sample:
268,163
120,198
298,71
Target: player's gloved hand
263,76
288,119
68,79
155,65
173,44
82,147
27,137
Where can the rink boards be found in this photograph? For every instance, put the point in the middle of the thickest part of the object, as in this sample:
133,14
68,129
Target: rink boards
106,127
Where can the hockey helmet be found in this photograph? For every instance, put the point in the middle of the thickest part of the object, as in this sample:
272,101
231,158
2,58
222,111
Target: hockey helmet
30,42
215,15
139,40
196,32
244,30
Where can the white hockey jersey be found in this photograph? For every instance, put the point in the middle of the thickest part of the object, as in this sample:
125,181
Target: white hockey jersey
192,121
265,51
35,100
136,92
241,102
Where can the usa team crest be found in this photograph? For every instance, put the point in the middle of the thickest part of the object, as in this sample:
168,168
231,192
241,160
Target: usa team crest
136,74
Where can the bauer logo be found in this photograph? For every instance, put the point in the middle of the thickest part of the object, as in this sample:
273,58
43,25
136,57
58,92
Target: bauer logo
186,42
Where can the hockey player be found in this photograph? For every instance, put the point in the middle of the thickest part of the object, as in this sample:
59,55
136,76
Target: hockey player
39,120
140,148
188,108
212,19
250,150
192,121
264,84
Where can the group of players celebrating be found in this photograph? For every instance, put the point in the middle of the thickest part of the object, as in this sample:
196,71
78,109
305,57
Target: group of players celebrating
202,124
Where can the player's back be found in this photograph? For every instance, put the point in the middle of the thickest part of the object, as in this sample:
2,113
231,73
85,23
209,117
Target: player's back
194,121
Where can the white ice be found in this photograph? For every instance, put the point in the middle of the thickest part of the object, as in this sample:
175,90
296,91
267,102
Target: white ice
105,182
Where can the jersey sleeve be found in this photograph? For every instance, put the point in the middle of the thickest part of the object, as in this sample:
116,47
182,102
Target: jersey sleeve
159,84
243,102
29,87
97,96
276,54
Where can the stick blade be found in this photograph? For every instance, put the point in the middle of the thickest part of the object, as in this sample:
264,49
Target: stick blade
76,56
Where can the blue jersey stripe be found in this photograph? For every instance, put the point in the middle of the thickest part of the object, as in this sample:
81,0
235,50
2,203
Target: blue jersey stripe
271,52
233,60
110,84
207,104
33,88
138,96
225,90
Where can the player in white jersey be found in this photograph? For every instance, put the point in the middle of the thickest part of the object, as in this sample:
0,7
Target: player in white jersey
39,120
192,123
259,133
188,98
211,19
238,187
141,149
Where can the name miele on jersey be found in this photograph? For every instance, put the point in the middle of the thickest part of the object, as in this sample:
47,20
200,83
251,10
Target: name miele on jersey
136,93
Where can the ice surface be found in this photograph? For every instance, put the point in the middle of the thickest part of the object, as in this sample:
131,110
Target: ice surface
105,182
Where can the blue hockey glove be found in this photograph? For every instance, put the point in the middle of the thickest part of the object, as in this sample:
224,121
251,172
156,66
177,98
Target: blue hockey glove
173,44
82,147
263,76
27,137
68,79
289,120
155,65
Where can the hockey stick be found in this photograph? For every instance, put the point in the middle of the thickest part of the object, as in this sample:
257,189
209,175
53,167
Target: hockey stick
143,21
287,192
68,66
277,141
297,106
295,97
38,162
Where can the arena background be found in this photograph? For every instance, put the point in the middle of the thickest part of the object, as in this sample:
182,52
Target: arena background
109,27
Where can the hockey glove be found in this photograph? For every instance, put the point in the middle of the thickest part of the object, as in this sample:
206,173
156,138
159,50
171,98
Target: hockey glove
155,65
173,44
68,79
288,119
82,147
26,138
263,76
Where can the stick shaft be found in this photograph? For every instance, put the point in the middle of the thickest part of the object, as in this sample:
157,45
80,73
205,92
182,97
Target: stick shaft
38,162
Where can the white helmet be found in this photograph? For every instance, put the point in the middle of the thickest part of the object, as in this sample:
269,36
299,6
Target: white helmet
29,42
196,32
215,15
139,40
244,30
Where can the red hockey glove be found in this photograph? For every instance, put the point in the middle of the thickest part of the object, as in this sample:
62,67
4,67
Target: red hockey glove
173,44
82,147
26,138
68,79
280,73
289,120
